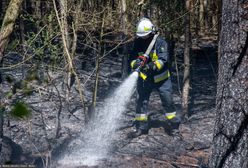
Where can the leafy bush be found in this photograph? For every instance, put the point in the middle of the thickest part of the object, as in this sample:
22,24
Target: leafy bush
20,111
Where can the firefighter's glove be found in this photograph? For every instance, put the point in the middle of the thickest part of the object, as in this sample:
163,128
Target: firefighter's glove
136,63
144,58
149,67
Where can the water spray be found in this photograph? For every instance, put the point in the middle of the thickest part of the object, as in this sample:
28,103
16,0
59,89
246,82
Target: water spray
98,138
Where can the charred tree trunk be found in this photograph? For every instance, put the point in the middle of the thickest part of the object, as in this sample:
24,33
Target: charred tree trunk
186,75
219,25
6,29
230,142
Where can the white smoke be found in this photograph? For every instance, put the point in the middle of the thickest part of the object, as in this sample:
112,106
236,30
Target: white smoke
99,135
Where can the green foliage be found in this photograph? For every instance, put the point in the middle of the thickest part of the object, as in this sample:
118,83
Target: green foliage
9,94
18,85
23,87
32,75
20,111
168,16
28,91
13,44
40,39
27,18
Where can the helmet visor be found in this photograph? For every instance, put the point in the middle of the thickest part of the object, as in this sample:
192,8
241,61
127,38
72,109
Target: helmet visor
143,34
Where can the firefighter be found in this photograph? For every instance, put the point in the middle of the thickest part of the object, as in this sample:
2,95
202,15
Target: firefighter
154,75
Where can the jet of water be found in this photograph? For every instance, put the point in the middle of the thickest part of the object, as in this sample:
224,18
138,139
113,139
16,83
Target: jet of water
99,135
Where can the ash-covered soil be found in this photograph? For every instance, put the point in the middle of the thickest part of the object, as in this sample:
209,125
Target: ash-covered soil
57,120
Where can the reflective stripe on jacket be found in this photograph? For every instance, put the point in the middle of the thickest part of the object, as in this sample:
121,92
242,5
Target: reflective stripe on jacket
159,55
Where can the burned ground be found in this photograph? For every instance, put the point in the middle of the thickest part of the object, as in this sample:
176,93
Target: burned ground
37,137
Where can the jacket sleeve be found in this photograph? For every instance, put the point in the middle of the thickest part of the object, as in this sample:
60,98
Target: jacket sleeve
162,51
132,55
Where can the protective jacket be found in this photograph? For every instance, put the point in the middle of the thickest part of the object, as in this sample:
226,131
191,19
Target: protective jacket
158,55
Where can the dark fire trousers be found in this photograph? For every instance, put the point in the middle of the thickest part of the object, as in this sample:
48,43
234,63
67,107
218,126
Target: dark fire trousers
144,89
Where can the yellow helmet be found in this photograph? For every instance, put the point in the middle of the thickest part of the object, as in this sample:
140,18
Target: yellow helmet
144,27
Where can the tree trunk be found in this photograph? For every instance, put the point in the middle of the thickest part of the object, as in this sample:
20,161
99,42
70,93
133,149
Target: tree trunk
206,16
63,13
99,53
6,29
1,9
201,16
65,30
186,75
124,30
22,33
36,5
67,52
8,24
195,19
1,126
219,25
230,141
215,17
96,78
4,5
75,27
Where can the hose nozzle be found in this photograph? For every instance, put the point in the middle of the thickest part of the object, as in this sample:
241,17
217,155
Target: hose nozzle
138,69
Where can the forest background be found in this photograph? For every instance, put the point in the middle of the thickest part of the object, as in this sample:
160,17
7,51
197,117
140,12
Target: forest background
71,53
